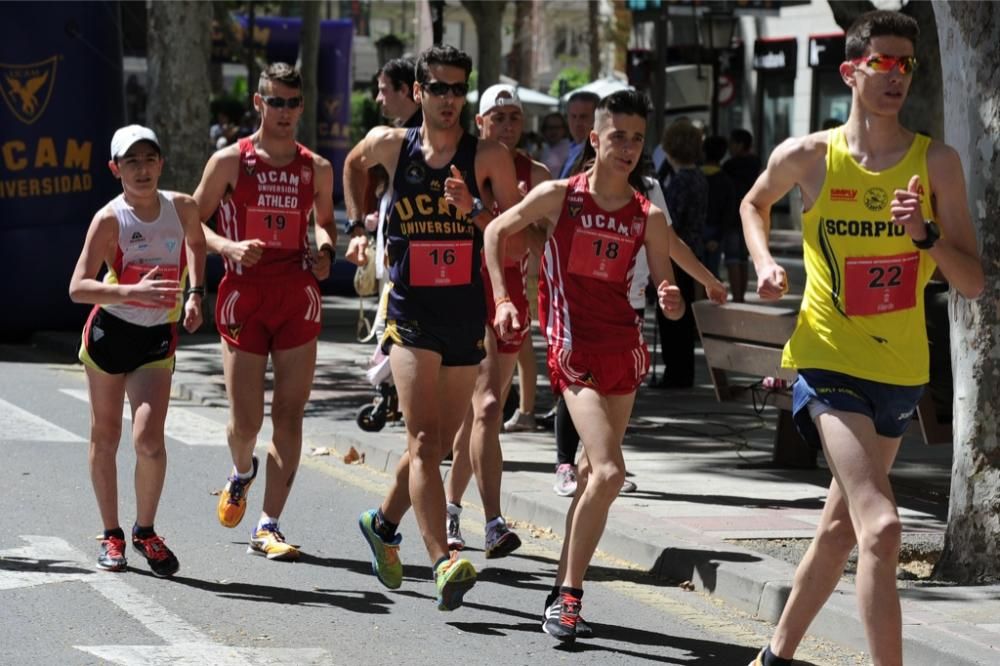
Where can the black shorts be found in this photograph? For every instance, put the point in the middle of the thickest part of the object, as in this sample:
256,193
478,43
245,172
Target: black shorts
115,346
458,344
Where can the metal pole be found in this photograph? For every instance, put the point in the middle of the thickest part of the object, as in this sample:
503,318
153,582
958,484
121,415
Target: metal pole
715,91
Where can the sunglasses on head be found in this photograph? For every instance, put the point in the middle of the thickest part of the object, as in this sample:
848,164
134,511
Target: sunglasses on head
276,102
885,63
440,88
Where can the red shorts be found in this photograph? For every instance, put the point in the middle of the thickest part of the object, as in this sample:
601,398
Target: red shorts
613,373
514,281
259,316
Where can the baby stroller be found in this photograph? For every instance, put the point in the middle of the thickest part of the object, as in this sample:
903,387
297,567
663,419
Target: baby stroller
385,406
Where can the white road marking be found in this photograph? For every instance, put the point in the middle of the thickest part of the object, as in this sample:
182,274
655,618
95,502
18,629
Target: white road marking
20,424
185,425
56,561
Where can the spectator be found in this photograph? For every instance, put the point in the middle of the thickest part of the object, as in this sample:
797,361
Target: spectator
223,132
686,194
723,206
580,113
556,148
743,167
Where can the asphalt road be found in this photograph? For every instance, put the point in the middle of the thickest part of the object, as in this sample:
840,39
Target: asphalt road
228,607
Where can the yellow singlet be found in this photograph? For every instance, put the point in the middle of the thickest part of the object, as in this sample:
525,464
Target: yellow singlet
863,308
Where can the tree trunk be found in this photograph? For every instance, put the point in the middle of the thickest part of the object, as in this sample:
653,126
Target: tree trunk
924,109
969,33
488,17
179,50
309,66
595,41
521,55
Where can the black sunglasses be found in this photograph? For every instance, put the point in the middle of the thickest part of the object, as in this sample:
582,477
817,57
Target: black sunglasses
440,88
281,102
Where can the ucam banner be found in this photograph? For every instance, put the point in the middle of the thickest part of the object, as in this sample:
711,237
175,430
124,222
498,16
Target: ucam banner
62,99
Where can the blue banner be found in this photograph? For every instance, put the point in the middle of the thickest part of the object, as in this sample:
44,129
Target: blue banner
62,99
333,85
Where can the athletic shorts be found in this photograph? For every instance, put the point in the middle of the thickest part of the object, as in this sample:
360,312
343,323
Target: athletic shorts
889,406
613,373
515,288
457,344
261,316
115,346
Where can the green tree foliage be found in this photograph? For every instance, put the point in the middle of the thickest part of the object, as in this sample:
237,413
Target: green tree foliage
574,78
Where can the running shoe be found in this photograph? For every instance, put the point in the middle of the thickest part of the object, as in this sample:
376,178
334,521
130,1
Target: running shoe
161,559
112,555
500,541
628,486
233,498
565,485
562,625
385,556
583,628
455,576
455,540
267,540
758,660
519,422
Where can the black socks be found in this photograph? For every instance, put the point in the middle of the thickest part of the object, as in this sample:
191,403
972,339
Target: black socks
385,529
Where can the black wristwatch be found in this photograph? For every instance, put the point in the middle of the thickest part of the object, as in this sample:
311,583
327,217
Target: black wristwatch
933,234
477,208
351,225
331,252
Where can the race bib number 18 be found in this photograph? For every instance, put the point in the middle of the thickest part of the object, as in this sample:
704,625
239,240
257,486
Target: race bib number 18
277,228
600,255
440,263
876,285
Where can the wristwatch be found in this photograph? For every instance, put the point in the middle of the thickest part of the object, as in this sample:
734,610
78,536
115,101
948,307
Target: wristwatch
477,208
349,225
933,234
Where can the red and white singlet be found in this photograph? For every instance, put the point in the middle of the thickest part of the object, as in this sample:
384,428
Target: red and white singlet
272,204
587,271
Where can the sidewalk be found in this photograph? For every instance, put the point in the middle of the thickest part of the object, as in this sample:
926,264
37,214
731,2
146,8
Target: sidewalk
704,486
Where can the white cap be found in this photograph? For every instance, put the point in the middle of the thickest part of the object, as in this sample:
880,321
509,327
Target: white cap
128,136
500,94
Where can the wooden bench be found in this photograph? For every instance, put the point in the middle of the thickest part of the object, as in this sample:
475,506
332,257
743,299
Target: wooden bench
743,344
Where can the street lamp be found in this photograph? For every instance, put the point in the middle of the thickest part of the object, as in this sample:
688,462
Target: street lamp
717,29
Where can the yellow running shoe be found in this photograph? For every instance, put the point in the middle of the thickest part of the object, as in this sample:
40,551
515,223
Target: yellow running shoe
455,576
233,498
268,541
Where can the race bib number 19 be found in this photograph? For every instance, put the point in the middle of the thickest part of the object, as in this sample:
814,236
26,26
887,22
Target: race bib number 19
876,285
440,263
600,255
277,228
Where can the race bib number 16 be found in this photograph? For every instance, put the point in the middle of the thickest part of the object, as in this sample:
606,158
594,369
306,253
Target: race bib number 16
440,263
876,285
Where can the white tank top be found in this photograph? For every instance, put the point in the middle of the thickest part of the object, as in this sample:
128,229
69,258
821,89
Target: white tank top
147,244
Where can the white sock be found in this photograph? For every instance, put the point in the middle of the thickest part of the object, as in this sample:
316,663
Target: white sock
243,476
454,509
265,519
496,521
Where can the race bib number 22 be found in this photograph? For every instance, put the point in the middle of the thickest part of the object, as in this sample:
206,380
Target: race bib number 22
876,285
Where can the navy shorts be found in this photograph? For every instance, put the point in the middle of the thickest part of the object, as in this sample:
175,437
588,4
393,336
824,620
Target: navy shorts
457,344
889,406
734,247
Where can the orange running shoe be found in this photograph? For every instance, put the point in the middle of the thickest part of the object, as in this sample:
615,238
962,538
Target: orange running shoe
233,498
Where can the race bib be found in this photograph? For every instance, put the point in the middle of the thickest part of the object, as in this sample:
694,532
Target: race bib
440,263
876,285
600,255
277,228
133,273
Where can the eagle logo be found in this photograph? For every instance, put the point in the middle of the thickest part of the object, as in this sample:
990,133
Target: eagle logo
27,88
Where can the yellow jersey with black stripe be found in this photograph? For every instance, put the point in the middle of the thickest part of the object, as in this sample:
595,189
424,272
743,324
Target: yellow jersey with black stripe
863,308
